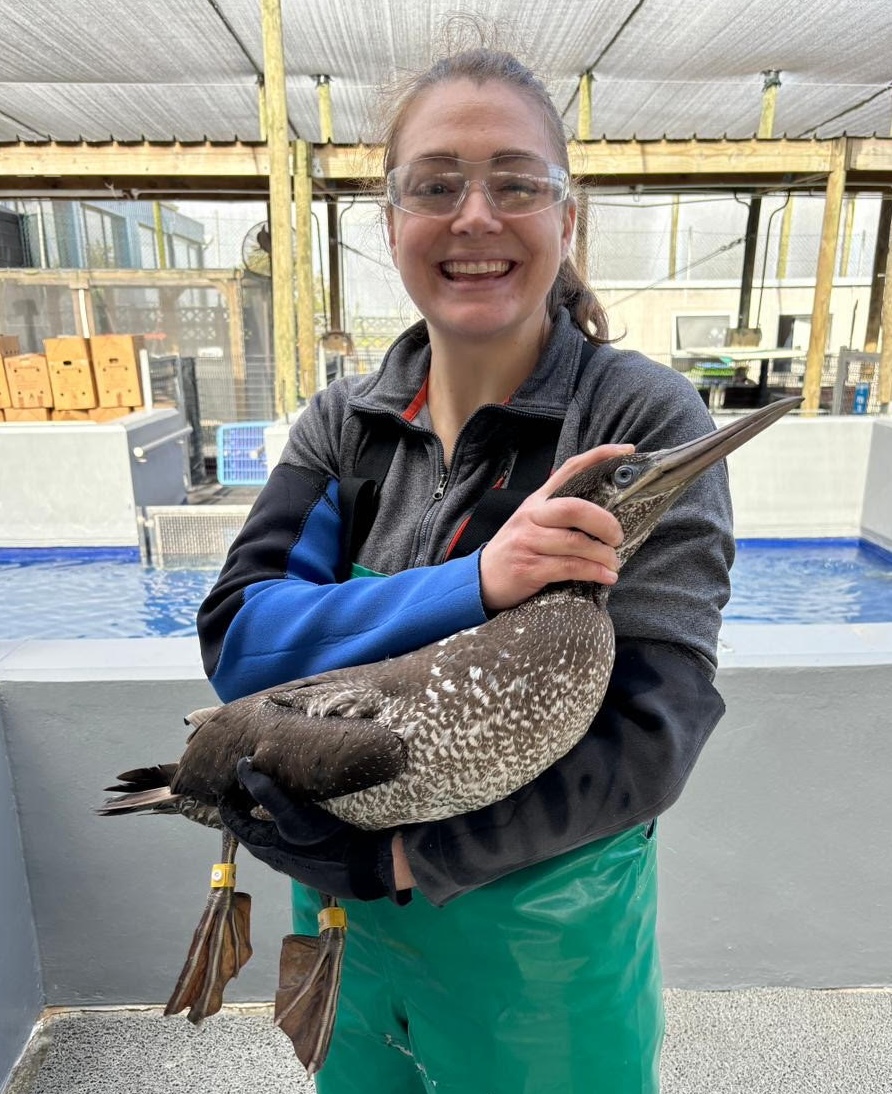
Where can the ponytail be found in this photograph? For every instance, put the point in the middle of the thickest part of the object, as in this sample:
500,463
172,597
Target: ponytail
571,292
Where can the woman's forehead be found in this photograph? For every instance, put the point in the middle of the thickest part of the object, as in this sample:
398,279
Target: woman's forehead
473,122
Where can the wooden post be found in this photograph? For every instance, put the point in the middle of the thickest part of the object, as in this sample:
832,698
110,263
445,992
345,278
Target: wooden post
323,93
231,290
281,243
783,249
770,84
306,324
160,245
673,237
848,225
584,122
820,316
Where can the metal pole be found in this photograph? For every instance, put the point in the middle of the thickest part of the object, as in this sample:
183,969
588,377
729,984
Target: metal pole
281,243
884,386
335,302
878,278
306,326
820,317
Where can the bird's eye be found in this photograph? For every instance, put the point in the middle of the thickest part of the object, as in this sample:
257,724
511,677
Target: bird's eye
624,475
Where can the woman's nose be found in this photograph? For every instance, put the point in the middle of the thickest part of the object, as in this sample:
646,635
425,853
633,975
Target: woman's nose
476,212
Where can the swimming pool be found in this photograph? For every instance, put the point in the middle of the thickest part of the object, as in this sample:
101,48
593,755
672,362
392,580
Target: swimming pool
110,594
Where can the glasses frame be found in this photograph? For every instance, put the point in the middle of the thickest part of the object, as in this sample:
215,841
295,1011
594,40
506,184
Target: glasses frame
555,173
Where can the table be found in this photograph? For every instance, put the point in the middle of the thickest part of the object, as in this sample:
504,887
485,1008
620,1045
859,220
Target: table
742,355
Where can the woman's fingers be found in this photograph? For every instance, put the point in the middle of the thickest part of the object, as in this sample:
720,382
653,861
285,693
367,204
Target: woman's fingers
552,539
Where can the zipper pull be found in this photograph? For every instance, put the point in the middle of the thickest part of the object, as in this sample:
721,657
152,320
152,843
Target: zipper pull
441,486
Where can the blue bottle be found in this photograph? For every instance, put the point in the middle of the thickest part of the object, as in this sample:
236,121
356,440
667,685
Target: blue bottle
862,394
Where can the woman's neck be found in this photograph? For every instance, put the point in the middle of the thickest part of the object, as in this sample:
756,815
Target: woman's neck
467,374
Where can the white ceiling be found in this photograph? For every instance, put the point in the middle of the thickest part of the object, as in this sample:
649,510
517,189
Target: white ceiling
174,69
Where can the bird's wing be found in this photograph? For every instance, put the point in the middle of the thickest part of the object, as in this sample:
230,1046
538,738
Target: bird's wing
318,738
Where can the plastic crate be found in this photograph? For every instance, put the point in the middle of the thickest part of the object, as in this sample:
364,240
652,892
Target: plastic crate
241,454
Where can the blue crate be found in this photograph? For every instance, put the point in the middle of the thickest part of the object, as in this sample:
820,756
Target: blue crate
241,454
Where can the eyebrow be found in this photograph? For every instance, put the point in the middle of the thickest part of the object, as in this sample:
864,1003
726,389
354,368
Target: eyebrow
499,154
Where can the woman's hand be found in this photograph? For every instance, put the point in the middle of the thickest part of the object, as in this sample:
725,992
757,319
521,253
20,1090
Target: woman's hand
552,539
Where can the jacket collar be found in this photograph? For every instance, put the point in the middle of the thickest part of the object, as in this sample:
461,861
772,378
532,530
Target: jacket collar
547,391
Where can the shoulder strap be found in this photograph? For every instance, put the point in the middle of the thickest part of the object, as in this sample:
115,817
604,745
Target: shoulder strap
358,493
532,467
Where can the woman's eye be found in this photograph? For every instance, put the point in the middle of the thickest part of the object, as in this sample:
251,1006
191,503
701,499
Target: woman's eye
624,475
433,187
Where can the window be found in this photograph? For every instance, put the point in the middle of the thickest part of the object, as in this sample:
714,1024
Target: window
699,331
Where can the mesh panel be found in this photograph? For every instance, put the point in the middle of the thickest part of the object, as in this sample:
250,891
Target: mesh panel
190,536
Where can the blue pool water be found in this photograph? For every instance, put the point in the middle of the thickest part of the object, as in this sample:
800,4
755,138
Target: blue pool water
109,594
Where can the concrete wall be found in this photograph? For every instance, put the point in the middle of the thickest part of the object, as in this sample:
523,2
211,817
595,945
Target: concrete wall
877,514
772,863
803,477
21,993
78,484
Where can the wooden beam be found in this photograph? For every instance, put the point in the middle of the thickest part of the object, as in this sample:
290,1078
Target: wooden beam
189,279
820,316
160,242
144,168
281,238
306,324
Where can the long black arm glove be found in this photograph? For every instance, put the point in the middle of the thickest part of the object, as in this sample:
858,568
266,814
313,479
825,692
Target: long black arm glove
309,844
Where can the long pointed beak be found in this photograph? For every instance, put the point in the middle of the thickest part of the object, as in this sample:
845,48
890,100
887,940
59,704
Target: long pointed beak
673,468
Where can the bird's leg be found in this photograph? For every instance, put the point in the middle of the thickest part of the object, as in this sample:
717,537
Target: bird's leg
221,945
309,985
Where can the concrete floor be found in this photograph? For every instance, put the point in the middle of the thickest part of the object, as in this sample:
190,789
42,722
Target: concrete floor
773,1041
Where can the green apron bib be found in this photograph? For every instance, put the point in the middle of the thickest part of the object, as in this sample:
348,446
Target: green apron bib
546,981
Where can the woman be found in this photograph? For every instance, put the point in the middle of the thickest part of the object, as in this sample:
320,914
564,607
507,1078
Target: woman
517,951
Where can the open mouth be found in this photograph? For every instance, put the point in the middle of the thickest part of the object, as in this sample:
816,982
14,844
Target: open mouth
479,270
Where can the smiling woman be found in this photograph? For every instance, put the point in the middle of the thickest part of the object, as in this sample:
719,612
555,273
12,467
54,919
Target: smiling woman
421,502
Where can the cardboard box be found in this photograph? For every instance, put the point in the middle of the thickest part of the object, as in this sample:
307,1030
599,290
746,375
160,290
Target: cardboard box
116,368
57,415
9,345
109,413
71,373
29,381
29,414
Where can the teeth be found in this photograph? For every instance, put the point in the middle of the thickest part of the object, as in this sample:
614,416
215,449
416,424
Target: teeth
494,267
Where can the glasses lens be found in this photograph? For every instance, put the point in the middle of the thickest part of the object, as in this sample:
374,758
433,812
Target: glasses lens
435,187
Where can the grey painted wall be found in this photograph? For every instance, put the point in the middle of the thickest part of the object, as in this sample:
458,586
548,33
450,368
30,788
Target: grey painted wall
21,994
773,864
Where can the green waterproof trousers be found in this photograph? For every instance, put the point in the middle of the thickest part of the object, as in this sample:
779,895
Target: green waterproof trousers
546,981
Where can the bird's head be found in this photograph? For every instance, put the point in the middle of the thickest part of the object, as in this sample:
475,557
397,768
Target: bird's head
640,487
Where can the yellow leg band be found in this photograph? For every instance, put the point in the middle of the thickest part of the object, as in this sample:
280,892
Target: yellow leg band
332,917
223,875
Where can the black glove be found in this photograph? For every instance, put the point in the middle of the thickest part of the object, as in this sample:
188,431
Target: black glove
311,845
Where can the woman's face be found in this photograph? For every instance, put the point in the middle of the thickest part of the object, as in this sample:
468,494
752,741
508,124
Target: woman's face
476,274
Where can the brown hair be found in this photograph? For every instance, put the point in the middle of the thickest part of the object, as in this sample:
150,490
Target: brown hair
482,65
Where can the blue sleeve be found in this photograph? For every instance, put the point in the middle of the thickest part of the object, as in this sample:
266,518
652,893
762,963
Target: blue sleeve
277,612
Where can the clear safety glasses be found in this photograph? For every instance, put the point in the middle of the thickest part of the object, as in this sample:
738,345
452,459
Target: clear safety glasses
515,186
